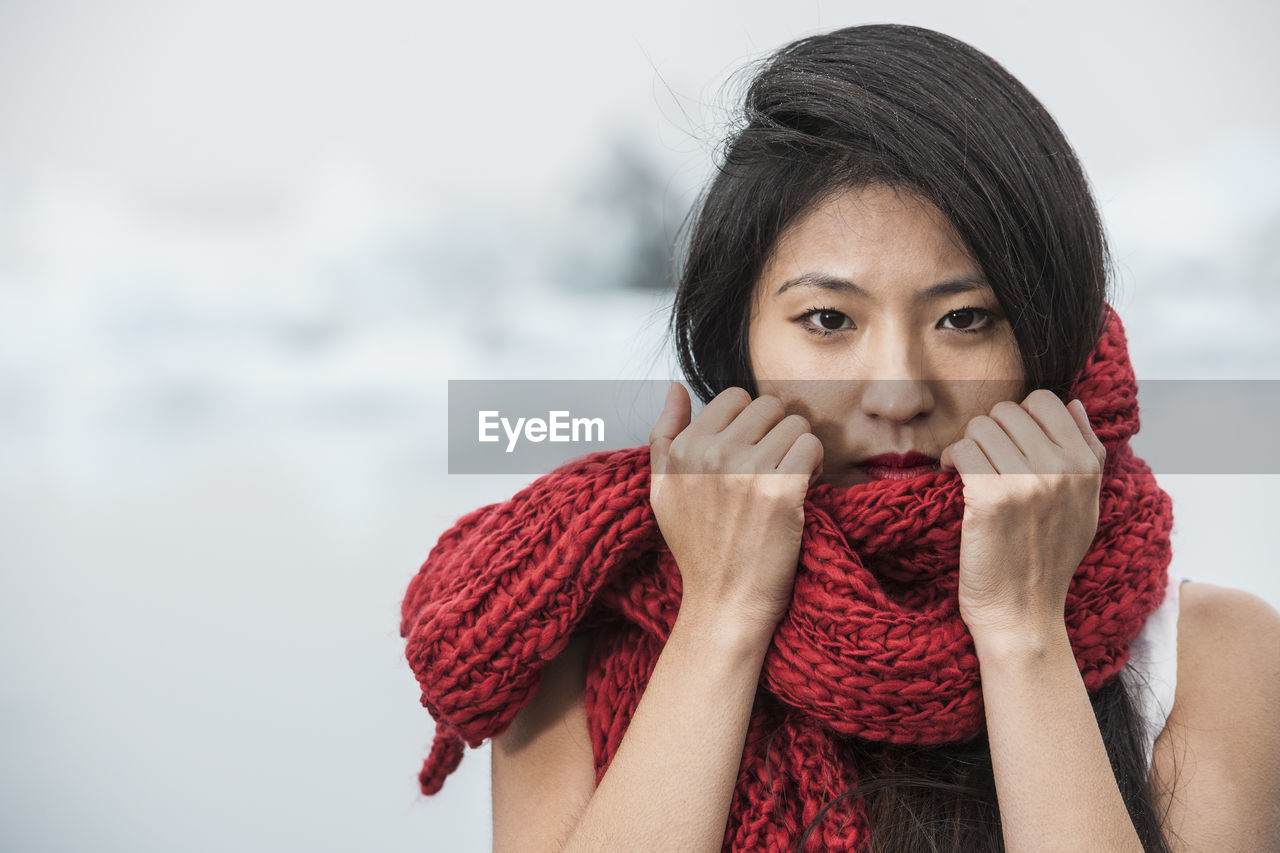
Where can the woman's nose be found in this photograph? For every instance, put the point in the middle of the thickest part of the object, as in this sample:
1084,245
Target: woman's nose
895,383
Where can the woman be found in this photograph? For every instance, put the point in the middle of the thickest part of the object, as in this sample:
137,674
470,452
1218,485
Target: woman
896,274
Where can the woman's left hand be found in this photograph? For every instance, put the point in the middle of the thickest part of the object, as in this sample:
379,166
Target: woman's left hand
1032,477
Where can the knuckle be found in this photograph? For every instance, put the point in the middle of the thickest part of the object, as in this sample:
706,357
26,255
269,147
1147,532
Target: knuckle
1041,487
773,488
800,421
1042,397
1086,462
978,425
770,407
1006,498
715,455
1050,485
1055,466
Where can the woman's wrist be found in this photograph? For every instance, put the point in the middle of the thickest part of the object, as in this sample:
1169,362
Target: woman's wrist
1028,641
724,629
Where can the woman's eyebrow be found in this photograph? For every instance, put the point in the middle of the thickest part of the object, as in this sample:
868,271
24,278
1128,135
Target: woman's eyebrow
950,287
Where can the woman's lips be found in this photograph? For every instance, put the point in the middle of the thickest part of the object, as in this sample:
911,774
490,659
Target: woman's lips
895,466
893,472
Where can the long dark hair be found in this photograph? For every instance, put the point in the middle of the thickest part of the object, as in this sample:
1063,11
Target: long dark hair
920,111
942,799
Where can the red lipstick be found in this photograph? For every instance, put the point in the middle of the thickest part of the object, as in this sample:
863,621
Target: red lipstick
899,466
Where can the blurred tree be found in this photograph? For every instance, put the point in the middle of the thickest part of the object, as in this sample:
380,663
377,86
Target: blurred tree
625,219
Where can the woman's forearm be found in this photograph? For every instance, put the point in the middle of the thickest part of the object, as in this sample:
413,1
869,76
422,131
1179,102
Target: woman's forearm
671,781
1054,782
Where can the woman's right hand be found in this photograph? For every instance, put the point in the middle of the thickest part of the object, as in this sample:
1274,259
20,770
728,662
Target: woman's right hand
728,491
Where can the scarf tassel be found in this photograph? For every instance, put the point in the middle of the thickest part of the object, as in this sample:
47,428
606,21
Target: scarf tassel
446,755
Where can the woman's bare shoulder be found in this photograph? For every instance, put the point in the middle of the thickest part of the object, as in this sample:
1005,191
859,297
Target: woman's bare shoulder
1228,651
1198,598
543,770
1220,749
1226,633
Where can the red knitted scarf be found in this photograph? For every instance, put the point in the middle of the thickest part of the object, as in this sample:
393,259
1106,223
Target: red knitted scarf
872,645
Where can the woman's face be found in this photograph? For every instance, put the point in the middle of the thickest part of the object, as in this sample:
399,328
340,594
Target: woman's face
872,321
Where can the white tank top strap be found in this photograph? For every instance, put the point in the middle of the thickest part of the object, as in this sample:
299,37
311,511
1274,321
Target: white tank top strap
1151,673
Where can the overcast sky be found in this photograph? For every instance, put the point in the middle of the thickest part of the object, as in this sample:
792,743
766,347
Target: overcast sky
239,98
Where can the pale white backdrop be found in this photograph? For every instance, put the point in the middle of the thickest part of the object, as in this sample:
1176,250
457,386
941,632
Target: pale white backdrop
243,246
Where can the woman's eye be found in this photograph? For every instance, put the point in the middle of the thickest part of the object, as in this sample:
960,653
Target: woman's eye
825,321
964,319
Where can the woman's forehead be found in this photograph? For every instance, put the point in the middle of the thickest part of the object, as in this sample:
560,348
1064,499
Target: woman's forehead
865,243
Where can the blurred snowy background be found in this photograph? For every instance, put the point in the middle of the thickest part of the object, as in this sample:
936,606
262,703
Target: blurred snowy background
244,245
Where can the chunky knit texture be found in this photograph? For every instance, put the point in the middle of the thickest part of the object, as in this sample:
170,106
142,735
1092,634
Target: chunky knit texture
872,645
